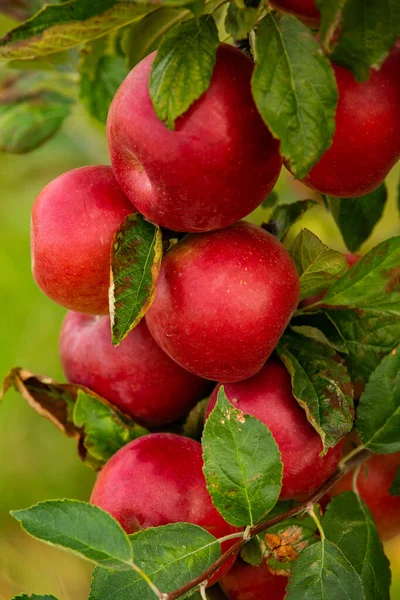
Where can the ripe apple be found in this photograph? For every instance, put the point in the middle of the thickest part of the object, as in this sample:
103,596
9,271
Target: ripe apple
137,376
158,479
305,10
223,300
351,260
215,167
268,397
74,219
246,582
373,482
366,143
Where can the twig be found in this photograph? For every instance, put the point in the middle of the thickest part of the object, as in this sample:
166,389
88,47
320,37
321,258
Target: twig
354,459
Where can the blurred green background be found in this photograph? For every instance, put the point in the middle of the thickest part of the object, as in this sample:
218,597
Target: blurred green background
37,463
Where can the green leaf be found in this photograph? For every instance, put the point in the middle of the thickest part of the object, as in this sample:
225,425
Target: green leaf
285,215
239,21
317,265
318,325
323,573
252,552
368,30
194,423
102,72
317,335
271,200
170,555
182,69
32,108
284,542
294,89
321,385
34,597
373,282
368,336
378,414
331,14
105,429
80,528
99,428
61,26
135,264
394,489
143,37
27,124
242,464
357,217
349,524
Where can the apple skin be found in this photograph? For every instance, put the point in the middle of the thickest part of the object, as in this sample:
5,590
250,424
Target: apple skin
218,164
373,482
351,260
158,479
268,397
247,582
366,143
137,376
74,219
223,300
305,10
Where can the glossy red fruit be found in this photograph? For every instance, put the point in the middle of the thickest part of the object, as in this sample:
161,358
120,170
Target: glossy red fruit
373,482
246,582
215,167
137,376
158,479
351,260
74,219
305,10
366,143
223,300
268,397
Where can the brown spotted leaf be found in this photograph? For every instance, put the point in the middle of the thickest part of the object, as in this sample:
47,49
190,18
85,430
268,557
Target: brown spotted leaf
242,464
66,25
135,264
99,428
321,385
282,544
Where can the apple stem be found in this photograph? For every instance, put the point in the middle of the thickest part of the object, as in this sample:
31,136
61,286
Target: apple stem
350,455
203,591
352,460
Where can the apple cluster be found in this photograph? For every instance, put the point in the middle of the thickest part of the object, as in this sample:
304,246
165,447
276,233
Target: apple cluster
225,293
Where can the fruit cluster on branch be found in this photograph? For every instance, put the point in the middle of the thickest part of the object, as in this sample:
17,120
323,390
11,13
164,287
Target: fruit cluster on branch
216,374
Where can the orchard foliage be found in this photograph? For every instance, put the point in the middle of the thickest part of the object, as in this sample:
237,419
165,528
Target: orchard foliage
197,135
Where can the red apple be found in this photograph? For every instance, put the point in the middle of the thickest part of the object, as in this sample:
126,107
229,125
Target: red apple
268,397
215,167
305,10
373,482
246,582
366,143
223,300
351,260
74,220
158,479
137,376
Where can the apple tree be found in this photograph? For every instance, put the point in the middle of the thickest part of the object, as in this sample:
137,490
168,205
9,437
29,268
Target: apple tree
237,393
